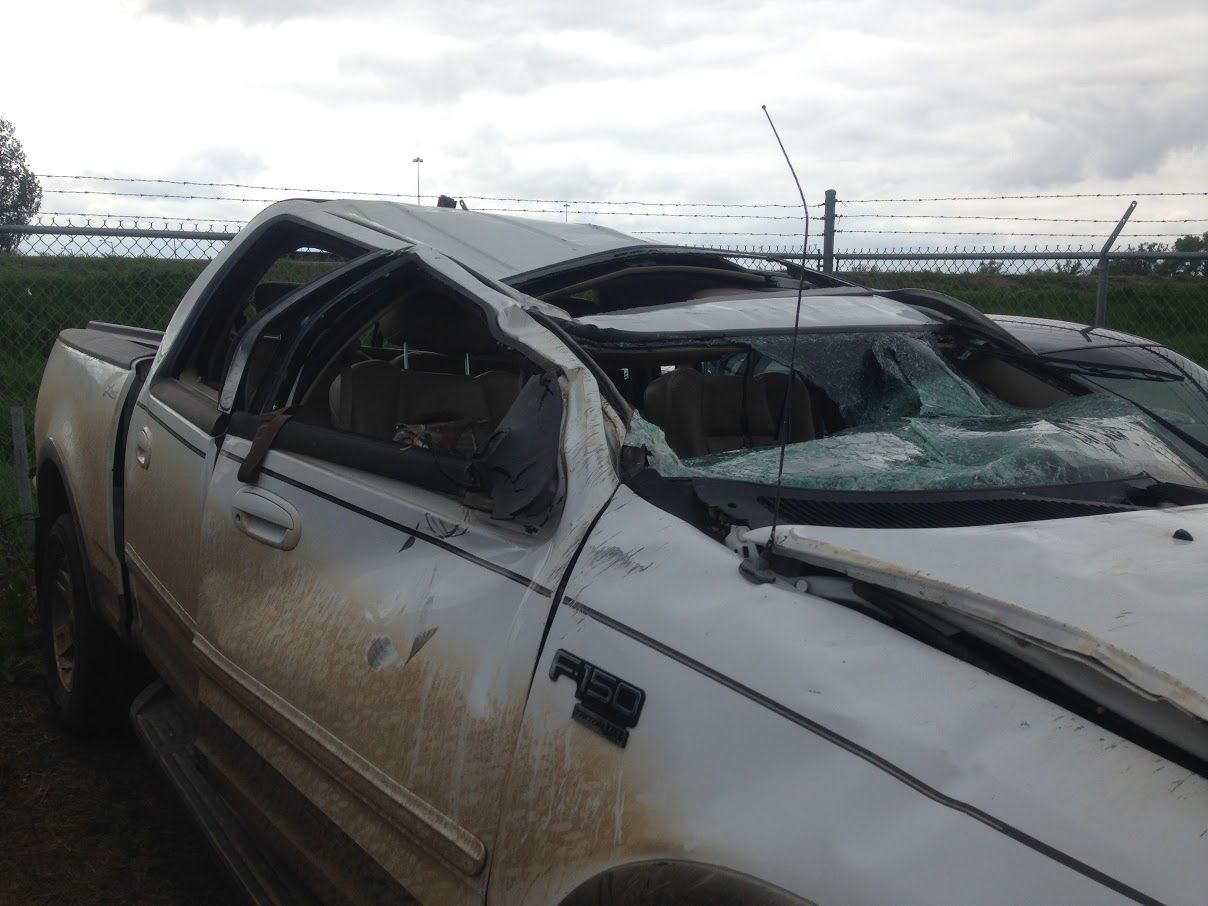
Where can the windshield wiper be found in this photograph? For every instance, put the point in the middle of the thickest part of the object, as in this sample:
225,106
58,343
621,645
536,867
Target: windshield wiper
1096,369
1178,494
1089,369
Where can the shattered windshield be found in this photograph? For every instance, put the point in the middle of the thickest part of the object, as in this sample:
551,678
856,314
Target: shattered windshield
882,411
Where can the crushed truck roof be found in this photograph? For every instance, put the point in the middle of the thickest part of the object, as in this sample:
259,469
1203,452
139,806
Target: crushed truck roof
765,311
494,245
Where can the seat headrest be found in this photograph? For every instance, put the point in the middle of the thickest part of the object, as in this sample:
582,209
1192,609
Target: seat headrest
716,413
436,322
364,398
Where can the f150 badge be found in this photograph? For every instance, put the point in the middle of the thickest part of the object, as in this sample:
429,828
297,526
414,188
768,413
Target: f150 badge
607,704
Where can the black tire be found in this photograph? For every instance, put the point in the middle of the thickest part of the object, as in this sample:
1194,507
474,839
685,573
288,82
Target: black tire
84,661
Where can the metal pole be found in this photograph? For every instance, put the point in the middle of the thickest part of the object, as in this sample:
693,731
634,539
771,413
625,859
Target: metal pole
828,234
1101,293
417,161
21,462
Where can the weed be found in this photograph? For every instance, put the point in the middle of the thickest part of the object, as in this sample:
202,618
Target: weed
17,611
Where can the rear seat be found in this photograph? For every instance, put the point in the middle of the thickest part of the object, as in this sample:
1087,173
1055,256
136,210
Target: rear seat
375,398
717,413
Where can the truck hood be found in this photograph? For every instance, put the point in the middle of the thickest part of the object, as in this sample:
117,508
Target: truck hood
1112,605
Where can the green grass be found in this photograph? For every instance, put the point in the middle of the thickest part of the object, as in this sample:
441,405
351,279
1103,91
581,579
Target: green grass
41,296
1170,310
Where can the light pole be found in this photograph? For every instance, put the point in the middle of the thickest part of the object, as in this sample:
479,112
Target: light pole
417,161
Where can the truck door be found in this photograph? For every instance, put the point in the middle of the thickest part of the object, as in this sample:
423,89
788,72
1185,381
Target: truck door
177,426
374,597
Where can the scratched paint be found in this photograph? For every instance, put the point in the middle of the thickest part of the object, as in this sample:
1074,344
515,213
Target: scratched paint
452,643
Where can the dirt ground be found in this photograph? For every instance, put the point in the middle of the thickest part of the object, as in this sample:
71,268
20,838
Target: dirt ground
88,821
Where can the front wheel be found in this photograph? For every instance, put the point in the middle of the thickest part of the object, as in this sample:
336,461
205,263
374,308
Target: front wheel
84,661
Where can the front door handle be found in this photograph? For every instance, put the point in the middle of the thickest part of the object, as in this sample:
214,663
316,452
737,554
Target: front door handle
266,518
142,447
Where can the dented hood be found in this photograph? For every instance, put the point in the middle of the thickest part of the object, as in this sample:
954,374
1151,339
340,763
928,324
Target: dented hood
1118,593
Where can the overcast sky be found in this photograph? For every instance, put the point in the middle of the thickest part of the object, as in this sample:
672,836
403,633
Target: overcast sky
627,100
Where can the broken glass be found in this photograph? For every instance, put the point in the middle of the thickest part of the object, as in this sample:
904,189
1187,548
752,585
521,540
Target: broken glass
914,423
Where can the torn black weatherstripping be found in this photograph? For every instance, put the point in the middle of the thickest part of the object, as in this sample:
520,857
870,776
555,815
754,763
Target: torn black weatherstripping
956,310
520,459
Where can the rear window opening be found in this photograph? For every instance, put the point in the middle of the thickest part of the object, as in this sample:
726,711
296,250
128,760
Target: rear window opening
288,257
663,276
387,369
412,364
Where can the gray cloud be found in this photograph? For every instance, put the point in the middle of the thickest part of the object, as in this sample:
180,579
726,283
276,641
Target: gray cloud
1102,132
258,11
216,164
499,67
629,99
222,164
637,20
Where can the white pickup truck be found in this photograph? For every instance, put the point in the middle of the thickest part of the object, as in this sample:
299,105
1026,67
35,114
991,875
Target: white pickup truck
435,548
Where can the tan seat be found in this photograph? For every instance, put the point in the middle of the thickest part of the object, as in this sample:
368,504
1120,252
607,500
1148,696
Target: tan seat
374,398
716,413
805,419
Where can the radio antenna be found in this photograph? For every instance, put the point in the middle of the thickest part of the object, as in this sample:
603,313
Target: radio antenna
759,570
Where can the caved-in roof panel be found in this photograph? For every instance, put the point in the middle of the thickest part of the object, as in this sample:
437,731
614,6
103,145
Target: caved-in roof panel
820,310
494,245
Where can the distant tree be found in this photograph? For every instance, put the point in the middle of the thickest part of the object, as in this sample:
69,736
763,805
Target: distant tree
1159,266
20,191
1191,244
1142,267
1071,268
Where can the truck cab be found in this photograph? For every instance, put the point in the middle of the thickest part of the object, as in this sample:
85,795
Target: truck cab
427,529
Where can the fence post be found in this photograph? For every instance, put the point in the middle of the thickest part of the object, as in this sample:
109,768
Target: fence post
21,464
828,233
1101,293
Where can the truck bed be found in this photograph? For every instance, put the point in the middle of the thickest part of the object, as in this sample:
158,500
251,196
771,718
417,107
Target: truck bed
113,343
88,389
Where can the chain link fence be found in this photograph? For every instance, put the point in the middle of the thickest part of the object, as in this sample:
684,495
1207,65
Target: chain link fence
1160,296
57,276
64,272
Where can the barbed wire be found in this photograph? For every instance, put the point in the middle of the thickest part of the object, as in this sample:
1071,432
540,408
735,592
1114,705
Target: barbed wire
260,188
190,244
711,211
578,211
649,204
905,233
635,213
1023,197
158,195
89,218
995,233
113,193
842,216
710,233
110,216
703,204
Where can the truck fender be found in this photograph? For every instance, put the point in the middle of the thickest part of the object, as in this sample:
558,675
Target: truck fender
54,497
673,881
